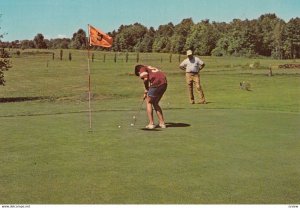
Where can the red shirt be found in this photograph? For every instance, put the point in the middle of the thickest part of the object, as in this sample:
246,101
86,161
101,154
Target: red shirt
154,75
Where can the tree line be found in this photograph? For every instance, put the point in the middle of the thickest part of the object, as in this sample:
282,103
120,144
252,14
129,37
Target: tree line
267,35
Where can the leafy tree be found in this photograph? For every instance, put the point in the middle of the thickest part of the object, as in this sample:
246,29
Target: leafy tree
278,37
181,32
292,43
239,39
266,26
202,39
39,41
162,41
27,44
129,38
60,43
148,40
79,40
5,63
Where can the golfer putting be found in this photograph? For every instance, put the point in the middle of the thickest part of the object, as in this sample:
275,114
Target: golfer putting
155,85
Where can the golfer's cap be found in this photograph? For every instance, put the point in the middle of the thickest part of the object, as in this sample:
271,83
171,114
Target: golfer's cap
189,52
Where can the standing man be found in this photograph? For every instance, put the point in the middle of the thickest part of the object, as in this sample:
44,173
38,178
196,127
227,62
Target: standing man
155,83
192,66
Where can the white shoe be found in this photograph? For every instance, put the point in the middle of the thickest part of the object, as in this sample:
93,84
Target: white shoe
150,126
163,126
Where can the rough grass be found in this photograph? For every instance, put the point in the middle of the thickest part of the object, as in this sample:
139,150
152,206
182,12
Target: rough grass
241,148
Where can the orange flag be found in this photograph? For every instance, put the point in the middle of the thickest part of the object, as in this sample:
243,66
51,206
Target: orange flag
99,38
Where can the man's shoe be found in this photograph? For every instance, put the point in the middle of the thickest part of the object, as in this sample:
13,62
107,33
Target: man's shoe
163,126
192,102
203,102
150,126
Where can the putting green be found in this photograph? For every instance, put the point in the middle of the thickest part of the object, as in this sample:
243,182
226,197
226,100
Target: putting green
204,156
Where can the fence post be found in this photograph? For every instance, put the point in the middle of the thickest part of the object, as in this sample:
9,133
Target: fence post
104,57
115,59
170,57
179,58
70,56
270,71
126,57
61,54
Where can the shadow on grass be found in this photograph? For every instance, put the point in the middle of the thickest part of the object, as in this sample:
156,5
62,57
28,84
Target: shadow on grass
21,99
145,129
175,125
168,125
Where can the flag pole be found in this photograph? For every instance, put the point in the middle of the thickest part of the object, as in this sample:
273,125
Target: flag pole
96,38
89,79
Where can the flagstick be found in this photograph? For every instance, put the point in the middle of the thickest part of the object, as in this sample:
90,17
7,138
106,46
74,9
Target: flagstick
90,109
89,81
107,43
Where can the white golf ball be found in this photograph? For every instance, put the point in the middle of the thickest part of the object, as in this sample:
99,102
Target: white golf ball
133,117
132,124
119,126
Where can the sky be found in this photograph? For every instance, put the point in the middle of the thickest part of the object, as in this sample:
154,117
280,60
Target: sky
24,19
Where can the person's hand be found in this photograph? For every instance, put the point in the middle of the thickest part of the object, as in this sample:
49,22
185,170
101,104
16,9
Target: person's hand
145,94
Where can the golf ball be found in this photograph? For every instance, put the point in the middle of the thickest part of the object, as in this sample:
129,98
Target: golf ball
133,117
132,124
119,126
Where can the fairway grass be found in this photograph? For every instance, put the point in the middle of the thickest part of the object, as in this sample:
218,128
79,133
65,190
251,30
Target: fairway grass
224,156
240,148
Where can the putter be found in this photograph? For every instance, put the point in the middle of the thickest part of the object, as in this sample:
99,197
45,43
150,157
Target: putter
138,112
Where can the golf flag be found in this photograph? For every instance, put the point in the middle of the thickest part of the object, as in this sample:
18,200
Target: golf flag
99,38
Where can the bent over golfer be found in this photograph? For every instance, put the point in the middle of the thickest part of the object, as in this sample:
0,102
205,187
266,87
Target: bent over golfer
155,83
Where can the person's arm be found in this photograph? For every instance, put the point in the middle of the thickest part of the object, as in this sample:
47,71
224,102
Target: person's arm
146,85
182,66
202,66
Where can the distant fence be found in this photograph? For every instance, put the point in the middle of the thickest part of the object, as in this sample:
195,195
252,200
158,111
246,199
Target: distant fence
116,57
289,66
125,57
136,57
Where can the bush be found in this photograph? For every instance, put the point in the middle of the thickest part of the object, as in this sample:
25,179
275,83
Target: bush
4,65
254,65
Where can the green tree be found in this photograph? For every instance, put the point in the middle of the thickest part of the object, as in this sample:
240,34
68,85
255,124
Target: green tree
130,37
79,40
27,44
39,41
278,37
239,39
202,39
148,40
292,42
265,31
5,63
162,41
181,32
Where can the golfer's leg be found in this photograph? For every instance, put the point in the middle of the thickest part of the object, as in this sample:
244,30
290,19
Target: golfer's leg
149,110
159,113
189,82
199,89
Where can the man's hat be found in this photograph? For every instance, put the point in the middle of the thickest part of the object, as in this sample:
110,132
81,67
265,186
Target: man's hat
189,52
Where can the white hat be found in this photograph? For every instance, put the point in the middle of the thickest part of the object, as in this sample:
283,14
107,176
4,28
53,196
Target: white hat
189,52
